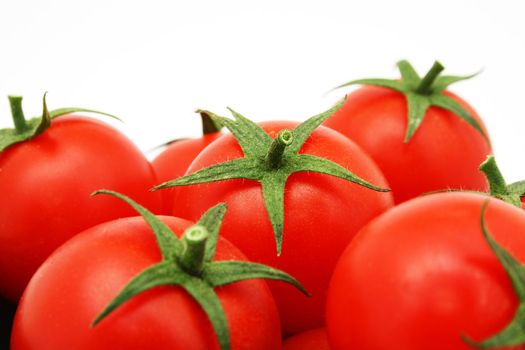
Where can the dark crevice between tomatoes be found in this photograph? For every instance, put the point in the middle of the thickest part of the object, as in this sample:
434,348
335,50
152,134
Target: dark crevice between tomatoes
270,162
514,332
7,314
27,129
187,263
422,93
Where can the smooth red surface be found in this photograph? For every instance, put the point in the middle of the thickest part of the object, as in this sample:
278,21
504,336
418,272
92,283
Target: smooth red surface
174,161
45,187
310,340
75,284
322,213
445,152
421,275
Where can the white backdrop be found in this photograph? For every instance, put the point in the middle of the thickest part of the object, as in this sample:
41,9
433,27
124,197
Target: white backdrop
153,64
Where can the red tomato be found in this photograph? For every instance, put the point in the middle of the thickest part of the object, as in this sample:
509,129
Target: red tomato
175,160
46,184
321,215
422,275
84,275
445,151
310,340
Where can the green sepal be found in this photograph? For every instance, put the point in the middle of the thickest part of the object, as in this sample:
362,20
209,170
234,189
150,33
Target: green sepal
417,108
498,187
514,332
305,129
272,187
28,129
444,81
240,168
422,93
517,188
201,291
260,164
68,110
212,220
161,274
409,75
168,243
226,272
173,269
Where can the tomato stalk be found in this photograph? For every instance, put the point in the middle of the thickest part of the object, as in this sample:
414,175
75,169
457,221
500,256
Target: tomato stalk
275,153
425,85
497,185
18,114
194,241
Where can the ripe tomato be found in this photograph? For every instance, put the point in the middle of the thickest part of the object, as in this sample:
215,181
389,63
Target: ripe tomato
444,151
321,215
177,157
46,184
79,280
422,275
310,340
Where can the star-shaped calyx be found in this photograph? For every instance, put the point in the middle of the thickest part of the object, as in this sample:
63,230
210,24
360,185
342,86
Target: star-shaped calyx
187,263
270,162
498,187
422,93
27,129
514,333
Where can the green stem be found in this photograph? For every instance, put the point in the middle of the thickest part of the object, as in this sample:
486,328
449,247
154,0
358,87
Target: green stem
194,241
209,126
428,79
497,184
17,113
275,153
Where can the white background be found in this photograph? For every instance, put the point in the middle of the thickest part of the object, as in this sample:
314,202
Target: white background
152,63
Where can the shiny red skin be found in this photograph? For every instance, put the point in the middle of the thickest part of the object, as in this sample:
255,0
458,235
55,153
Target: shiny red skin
322,213
46,184
445,152
75,284
175,160
422,274
315,339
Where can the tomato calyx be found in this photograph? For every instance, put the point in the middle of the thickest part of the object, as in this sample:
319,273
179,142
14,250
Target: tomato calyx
27,129
187,263
270,162
422,93
498,187
514,332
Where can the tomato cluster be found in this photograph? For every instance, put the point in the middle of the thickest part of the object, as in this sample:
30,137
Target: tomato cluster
381,223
